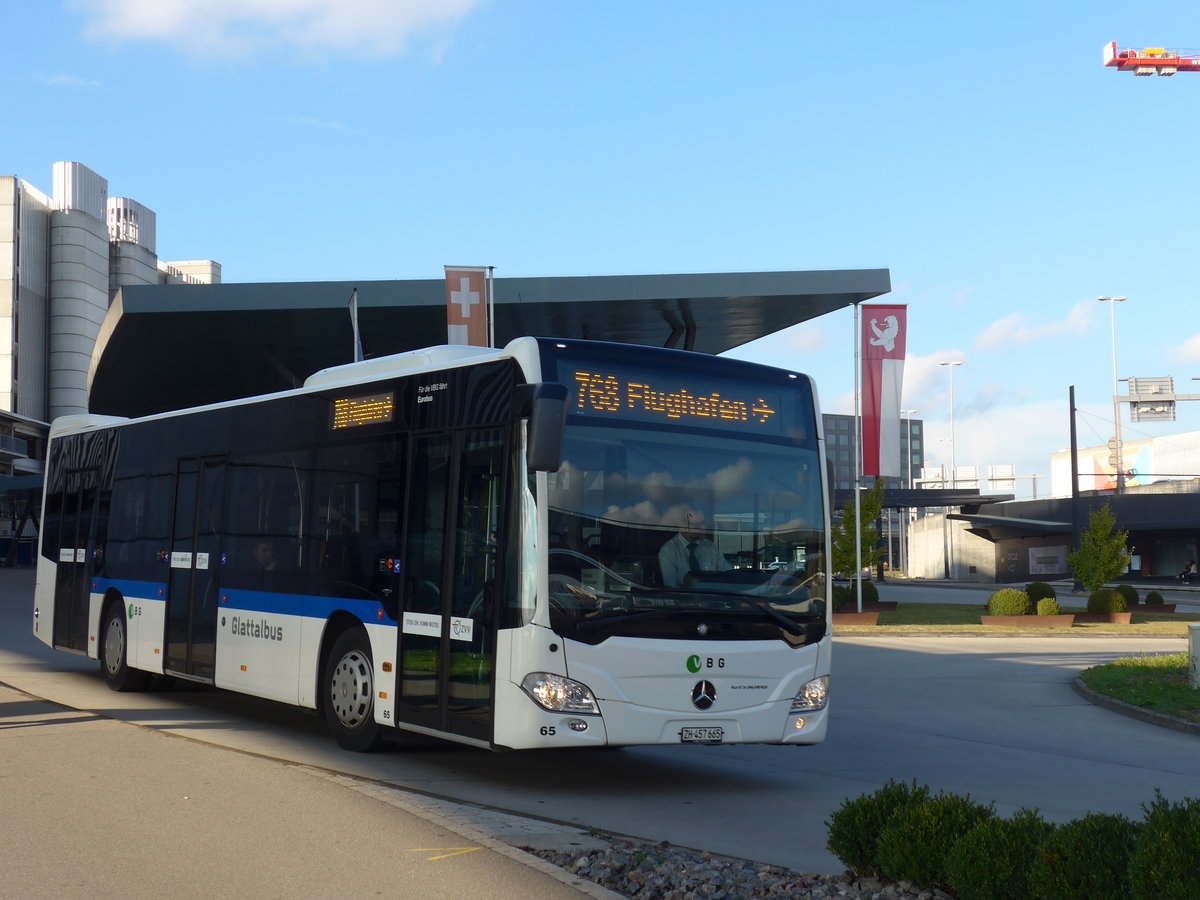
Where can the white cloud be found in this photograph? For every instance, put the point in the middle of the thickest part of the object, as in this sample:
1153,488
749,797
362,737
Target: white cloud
1017,329
241,27
1188,351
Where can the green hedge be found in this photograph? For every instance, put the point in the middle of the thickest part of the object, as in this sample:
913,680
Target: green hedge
992,861
1102,600
1048,606
1009,602
914,845
950,842
1038,590
1129,592
855,826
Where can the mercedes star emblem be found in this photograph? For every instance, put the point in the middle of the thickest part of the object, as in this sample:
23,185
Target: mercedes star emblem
704,695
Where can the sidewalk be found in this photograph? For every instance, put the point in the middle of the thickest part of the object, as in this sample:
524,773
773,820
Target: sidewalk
97,806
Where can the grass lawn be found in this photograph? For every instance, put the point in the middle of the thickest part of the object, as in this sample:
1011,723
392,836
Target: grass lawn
1157,683
958,618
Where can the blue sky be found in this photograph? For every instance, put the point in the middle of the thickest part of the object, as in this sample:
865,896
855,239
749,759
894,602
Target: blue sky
982,153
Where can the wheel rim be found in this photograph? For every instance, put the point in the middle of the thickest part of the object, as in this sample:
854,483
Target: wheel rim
350,689
114,645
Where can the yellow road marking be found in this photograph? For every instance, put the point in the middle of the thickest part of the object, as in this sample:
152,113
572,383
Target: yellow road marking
454,851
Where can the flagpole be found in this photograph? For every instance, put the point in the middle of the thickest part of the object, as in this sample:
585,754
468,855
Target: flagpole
858,448
491,305
358,353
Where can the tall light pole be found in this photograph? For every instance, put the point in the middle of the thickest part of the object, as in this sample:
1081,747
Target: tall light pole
905,537
950,364
1120,459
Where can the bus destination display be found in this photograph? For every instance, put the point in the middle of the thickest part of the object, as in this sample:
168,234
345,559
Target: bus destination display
686,400
351,411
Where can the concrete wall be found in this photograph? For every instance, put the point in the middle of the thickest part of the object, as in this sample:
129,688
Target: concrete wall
972,558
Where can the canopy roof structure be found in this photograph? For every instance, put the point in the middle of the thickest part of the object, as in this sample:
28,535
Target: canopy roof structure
167,347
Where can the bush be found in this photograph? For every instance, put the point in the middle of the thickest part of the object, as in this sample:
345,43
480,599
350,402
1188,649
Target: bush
913,846
841,597
992,861
1154,598
1129,592
855,826
1039,589
1048,606
1085,859
844,599
1009,602
1102,600
1165,863
870,592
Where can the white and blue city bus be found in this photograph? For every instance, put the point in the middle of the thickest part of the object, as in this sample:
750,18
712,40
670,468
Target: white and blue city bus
463,542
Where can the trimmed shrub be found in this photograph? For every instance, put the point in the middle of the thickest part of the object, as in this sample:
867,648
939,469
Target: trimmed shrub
1154,597
1102,600
1048,606
913,846
844,599
841,597
992,861
1129,592
1039,589
1085,859
1009,602
855,826
1165,863
870,592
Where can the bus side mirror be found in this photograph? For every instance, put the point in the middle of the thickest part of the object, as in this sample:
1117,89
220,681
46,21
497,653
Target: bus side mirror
546,405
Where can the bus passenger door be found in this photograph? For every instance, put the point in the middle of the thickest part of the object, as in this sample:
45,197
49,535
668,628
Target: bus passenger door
76,504
448,617
193,585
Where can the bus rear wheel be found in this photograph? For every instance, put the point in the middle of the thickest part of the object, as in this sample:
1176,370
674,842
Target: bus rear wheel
348,687
114,650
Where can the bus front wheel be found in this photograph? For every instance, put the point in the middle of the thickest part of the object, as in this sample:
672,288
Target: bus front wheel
114,649
348,685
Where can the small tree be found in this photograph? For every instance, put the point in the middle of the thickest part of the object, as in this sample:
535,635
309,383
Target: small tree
842,540
1102,553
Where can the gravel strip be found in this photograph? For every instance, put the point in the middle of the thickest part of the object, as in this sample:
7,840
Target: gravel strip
662,872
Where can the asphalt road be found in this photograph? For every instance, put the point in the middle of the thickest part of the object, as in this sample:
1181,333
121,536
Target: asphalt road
993,717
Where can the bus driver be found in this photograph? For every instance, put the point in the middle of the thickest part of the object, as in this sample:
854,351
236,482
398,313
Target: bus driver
691,550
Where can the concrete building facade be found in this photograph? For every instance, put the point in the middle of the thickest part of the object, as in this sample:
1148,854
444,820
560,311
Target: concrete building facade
63,257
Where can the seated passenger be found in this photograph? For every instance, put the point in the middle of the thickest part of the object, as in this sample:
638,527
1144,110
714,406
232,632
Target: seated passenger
691,550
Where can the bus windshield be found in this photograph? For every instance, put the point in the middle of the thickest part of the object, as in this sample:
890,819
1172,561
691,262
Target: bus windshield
653,531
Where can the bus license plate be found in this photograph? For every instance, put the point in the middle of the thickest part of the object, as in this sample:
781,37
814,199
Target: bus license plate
702,735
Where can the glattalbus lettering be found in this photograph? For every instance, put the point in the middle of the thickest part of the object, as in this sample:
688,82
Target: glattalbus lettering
261,629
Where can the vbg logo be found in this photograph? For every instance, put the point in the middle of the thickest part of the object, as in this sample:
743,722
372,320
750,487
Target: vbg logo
693,664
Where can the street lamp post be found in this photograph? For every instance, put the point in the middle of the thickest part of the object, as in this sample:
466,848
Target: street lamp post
1118,449
950,364
905,537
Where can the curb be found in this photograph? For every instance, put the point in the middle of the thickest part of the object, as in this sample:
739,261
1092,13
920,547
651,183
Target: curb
1134,712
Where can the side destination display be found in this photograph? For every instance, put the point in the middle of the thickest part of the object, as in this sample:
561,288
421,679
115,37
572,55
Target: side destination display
367,410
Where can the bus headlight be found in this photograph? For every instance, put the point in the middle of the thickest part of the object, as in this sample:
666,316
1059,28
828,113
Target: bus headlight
812,696
559,694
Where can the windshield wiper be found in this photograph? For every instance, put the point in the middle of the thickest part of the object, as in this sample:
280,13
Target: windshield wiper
784,622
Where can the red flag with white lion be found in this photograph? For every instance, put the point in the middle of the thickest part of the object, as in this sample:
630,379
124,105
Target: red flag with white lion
883,339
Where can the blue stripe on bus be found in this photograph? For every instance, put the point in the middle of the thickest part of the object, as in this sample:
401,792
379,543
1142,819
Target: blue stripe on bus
310,605
139,590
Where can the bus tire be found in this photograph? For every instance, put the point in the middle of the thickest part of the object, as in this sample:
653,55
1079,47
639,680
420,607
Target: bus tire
348,693
114,652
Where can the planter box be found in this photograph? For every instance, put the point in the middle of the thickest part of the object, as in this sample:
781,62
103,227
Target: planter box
863,618
1154,607
1063,621
1115,618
